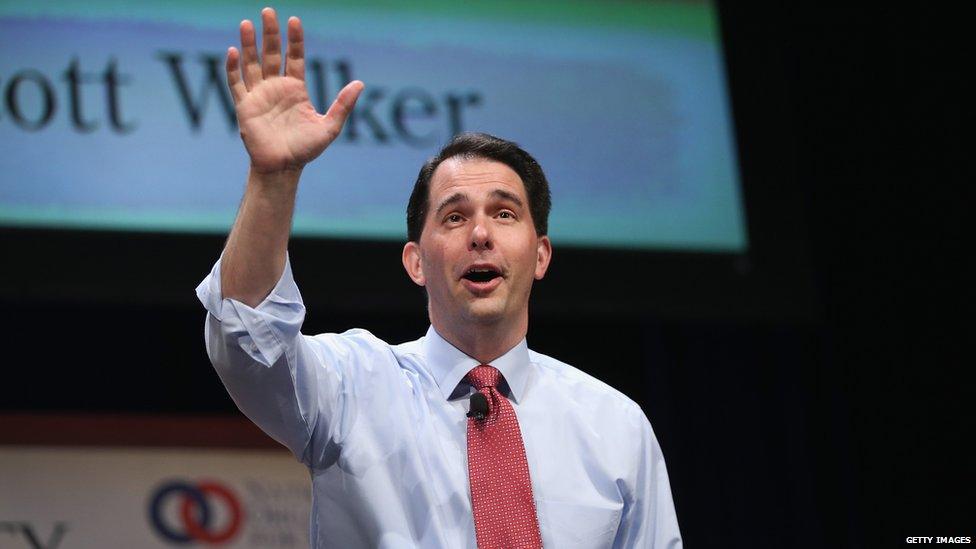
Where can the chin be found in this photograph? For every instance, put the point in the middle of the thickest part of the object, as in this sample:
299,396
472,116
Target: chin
485,312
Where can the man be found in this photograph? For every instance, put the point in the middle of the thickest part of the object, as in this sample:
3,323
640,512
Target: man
464,437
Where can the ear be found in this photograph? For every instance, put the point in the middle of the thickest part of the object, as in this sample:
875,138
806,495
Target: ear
544,255
412,263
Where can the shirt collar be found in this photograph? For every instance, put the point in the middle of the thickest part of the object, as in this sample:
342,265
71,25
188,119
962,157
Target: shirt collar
449,365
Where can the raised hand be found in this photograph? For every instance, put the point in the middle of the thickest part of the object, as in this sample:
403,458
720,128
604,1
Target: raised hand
278,122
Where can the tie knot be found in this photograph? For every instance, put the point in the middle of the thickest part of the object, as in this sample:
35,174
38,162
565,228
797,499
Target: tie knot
483,376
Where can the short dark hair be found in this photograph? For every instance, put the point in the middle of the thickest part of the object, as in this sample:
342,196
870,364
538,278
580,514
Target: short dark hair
481,145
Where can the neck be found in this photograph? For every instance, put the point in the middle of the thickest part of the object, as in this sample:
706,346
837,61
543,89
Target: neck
482,342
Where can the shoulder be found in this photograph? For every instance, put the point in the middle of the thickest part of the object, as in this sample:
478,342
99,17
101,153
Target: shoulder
354,346
602,422
361,356
585,391
413,348
352,338
363,345
359,337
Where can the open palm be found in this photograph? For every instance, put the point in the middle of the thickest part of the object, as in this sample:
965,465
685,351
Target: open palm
279,125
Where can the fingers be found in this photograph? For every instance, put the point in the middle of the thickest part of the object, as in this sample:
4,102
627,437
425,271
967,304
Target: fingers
271,44
234,81
343,104
249,53
295,63
251,68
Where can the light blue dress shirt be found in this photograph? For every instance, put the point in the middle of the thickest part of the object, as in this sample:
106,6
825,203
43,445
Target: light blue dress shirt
382,429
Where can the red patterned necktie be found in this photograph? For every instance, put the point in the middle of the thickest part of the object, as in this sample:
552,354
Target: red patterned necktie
501,492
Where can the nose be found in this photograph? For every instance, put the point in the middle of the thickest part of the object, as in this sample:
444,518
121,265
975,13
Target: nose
480,237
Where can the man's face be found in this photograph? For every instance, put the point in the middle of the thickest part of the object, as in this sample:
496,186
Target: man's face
478,253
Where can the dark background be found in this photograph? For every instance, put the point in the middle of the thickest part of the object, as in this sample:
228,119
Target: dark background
810,393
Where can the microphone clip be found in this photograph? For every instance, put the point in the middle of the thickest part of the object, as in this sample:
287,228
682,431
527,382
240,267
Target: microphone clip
479,407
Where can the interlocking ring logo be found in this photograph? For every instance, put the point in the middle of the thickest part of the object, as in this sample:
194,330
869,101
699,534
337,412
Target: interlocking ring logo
195,512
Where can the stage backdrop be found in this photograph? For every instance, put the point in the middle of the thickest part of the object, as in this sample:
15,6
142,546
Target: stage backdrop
116,116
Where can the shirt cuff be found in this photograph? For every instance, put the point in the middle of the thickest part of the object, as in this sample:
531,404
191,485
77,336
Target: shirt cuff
263,331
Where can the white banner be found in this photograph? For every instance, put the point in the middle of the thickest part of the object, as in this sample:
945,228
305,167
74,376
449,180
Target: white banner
112,498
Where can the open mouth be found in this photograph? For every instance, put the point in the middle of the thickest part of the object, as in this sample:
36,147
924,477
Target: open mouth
481,275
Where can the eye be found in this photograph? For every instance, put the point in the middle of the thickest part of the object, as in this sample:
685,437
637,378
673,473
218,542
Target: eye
453,218
505,214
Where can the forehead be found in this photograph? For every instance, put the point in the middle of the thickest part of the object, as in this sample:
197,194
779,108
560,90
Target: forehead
473,176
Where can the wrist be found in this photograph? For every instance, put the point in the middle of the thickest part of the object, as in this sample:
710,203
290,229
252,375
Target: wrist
283,170
276,177
274,185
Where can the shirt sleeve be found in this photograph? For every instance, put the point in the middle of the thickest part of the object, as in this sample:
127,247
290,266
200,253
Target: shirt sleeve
649,520
288,384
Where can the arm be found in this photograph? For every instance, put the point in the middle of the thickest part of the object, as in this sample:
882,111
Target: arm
282,132
649,518
288,384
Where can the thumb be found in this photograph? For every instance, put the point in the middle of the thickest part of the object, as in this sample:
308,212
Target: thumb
337,114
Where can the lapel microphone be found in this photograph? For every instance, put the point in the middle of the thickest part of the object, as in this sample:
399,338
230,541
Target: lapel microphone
479,407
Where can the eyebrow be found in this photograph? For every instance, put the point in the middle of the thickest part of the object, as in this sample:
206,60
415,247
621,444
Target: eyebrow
461,197
453,199
505,195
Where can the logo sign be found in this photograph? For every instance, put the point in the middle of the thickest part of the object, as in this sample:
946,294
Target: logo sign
198,507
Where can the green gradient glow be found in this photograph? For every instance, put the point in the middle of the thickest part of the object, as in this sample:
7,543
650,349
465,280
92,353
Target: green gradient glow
693,19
